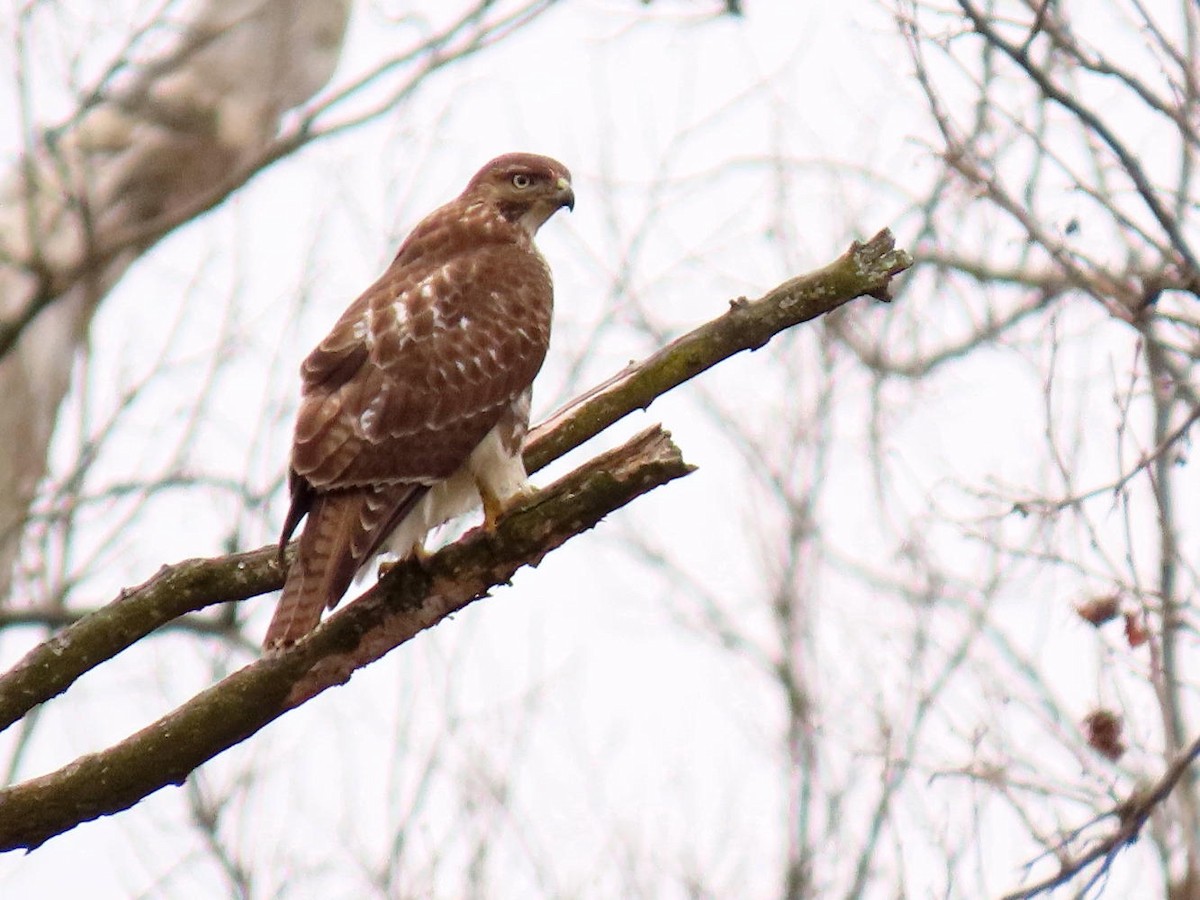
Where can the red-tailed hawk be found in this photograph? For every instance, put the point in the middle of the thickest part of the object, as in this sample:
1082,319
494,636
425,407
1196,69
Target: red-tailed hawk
416,404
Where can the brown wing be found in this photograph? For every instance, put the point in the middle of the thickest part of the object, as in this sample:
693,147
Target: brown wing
436,357
412,377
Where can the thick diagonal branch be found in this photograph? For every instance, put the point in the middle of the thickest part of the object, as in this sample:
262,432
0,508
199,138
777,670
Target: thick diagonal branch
411,598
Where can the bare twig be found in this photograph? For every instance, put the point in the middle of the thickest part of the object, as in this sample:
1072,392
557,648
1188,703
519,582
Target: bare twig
1095,125
1131,815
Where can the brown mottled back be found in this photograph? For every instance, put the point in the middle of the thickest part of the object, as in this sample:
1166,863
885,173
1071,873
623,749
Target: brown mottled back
415,374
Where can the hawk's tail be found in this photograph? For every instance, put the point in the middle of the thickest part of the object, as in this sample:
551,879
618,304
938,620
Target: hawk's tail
344,529
323,569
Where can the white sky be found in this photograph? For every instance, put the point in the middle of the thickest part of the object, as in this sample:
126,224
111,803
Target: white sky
637,749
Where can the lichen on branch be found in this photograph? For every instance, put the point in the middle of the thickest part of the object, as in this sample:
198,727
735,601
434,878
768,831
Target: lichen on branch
412,597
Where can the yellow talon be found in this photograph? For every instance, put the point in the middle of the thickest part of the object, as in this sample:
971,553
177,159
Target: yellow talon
493,509
418,552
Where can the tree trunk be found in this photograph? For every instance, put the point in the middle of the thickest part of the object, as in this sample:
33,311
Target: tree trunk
134,162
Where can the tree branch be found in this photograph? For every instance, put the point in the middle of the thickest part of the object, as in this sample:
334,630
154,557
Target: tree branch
50,668
53,666
1094,125
409,599
1131,815
412,597
866,269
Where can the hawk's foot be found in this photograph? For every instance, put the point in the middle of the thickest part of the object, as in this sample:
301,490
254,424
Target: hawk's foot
494,508
418,553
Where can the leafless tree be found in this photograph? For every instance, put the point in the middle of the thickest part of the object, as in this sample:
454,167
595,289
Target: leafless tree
945,569
974,599
193,109
1076,140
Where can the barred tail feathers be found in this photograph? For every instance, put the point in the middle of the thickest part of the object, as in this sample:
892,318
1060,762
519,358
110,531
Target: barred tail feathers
323,568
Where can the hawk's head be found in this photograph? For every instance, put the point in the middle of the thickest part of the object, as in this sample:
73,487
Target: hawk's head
526,188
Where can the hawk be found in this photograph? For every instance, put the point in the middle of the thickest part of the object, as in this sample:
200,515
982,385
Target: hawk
416,404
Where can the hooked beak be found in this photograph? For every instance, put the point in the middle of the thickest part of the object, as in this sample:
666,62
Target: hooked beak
566,195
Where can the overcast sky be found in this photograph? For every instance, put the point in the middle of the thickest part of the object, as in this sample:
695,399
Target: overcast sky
713,157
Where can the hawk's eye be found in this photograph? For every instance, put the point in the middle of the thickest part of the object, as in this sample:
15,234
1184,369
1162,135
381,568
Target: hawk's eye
521,181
